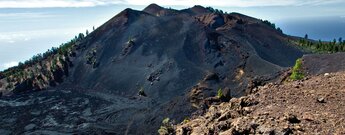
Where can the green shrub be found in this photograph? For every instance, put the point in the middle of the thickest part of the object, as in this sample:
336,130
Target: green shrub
297,73
166,121
186,120
166,128
220,93
142,93
54,64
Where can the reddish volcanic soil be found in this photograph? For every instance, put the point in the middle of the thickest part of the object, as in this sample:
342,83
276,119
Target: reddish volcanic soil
311,106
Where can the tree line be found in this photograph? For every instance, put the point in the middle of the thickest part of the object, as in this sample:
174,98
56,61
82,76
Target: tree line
217,11
63,49
272,25
322,46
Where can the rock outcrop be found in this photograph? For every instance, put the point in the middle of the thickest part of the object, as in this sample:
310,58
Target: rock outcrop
310,106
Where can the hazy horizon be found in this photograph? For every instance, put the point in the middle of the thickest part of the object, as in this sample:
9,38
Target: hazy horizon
30,29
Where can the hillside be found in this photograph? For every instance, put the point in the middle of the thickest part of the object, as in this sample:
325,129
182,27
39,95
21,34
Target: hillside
141,67
313,105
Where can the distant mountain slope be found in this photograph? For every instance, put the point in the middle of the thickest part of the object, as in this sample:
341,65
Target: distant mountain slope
178,58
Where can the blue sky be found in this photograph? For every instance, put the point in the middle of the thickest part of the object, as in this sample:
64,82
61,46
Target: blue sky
28,27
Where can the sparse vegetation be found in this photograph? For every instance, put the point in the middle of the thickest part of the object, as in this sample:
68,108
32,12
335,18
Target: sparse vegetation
321,46
142,92
297,73
217,11
272,25
186,120
220,93
166,127
54,64
39,68
64,49
130,40
91,57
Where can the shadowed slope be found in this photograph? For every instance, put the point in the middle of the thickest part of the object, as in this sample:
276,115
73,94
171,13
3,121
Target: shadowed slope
178,58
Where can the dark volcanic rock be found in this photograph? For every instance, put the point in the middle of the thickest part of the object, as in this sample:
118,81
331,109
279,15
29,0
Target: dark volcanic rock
227,94
153,9
323,63
180,47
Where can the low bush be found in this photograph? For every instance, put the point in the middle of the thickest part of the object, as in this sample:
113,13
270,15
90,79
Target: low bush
166,128
220,93
297,73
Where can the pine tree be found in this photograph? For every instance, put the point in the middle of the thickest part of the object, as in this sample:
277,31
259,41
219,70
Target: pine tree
279,30
340,40
80,36
87,32
336,48
306,36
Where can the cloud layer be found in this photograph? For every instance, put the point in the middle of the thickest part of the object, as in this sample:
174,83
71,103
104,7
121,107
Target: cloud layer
55,3
9,64
227,3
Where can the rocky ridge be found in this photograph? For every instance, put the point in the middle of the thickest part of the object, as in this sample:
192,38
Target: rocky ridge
313,105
